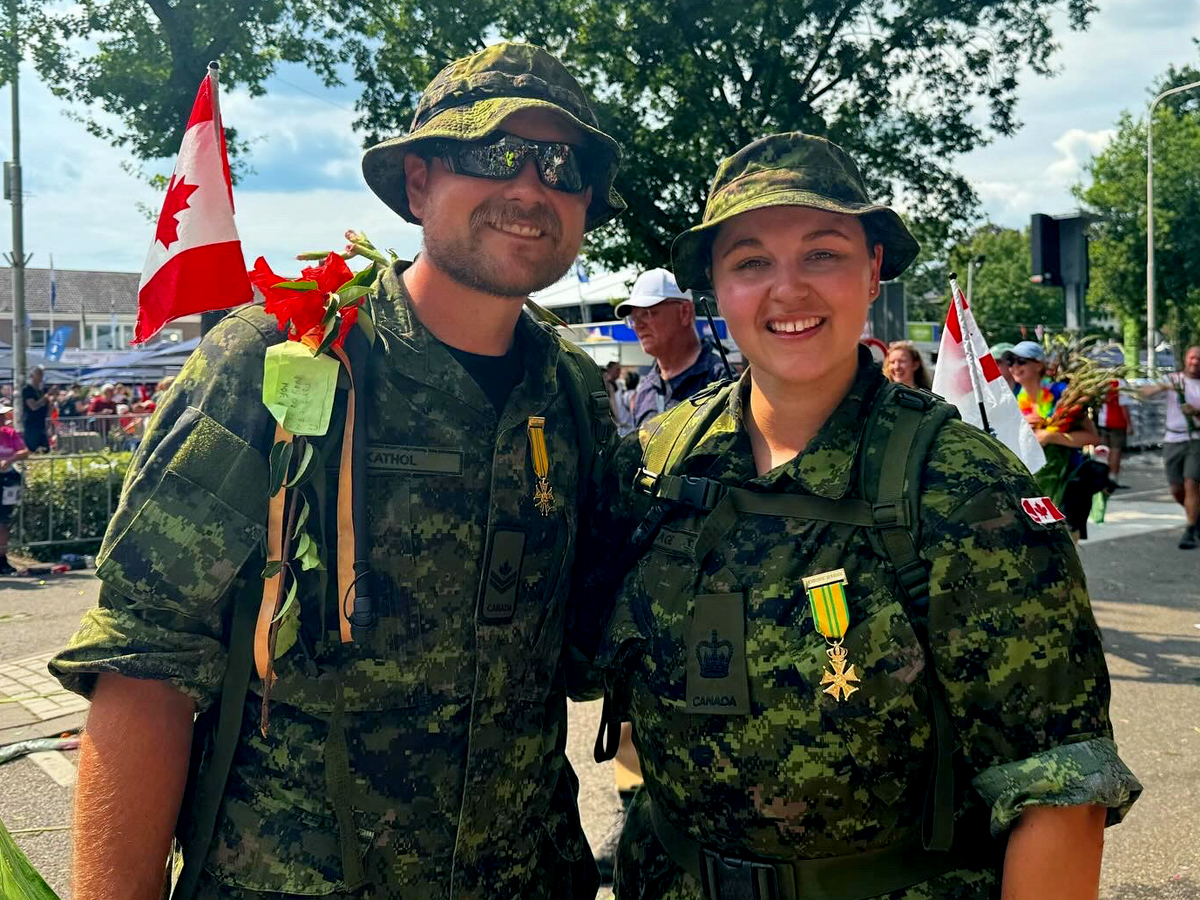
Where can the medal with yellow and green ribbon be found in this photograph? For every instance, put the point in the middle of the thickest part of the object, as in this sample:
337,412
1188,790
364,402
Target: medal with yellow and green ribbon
831,618
543,494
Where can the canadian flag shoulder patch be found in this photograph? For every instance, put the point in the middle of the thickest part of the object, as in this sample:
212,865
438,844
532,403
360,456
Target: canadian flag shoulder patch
1042,510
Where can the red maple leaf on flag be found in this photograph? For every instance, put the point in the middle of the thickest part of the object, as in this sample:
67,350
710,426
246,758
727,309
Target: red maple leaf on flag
176,202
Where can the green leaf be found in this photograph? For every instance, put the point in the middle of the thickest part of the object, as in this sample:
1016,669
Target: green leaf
350,294
302,471
302,546
280,459
301,518
272,568
288,600
18,879
289,628
298,285
331,333
367,324
311,559
365,277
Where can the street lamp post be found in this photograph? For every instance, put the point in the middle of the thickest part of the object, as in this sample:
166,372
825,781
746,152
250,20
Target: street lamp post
1151,369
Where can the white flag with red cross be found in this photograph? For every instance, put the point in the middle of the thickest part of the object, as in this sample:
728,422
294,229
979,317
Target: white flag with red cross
953,381
195,262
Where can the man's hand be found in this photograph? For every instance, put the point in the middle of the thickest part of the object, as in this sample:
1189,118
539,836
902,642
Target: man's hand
133,764
1054,851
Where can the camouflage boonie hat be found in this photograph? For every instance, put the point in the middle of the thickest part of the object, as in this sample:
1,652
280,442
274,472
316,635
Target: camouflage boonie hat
469,99
792,169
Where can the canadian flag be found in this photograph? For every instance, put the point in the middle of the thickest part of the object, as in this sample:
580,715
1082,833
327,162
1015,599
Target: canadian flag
1042,510
195,262
953,381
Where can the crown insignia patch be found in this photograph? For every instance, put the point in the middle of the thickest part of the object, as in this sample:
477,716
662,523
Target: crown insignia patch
714,657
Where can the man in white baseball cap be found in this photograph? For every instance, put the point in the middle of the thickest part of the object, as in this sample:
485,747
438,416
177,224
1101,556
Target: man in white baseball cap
664,320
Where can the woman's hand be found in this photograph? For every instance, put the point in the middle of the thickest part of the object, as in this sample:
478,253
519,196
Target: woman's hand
1045,437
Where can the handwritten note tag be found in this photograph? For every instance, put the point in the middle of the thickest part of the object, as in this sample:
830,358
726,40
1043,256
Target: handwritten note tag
298,388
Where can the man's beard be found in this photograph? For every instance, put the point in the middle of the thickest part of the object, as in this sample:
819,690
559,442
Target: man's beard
465,261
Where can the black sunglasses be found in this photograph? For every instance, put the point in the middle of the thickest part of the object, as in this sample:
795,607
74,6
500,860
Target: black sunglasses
1016,360
501,158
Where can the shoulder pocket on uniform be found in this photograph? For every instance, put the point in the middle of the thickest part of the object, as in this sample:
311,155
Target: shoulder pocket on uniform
198,524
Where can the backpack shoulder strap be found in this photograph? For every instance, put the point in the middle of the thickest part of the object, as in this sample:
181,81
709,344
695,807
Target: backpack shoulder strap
904,422
592,410
893,487
675,435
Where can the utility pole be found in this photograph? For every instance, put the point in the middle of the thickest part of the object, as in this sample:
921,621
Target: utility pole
12,188
1151,367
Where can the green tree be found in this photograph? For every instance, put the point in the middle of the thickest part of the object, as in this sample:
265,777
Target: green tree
1115,189
905,85
140,61
1002,297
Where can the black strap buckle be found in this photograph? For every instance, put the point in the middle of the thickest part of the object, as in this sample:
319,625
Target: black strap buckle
702,493
730,878
912,398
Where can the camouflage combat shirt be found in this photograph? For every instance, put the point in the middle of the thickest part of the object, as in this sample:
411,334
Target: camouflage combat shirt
455,708
1014,645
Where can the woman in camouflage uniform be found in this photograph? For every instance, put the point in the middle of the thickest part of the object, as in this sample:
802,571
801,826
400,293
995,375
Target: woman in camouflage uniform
857,650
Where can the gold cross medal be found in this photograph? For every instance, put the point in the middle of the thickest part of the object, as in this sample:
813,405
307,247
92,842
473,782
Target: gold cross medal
831,617
543,494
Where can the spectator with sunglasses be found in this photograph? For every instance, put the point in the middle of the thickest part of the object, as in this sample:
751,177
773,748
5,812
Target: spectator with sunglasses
421,753
664,320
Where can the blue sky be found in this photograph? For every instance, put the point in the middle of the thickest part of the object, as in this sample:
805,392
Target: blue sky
83,208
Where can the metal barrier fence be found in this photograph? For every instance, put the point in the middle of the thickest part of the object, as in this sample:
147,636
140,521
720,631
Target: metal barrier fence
66,499
83,434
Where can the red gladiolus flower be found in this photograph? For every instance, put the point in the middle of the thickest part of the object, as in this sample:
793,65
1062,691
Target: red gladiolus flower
304,309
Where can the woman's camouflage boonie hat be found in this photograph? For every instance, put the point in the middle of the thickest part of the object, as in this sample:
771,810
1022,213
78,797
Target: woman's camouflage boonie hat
792,169
469,99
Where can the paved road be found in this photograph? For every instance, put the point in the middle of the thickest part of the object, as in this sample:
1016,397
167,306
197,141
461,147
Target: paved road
1147,600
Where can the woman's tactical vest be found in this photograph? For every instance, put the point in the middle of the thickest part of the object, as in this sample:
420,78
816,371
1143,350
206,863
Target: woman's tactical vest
904,422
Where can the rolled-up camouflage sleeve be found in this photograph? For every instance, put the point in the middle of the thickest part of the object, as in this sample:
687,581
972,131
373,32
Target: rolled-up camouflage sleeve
1015,646
191,516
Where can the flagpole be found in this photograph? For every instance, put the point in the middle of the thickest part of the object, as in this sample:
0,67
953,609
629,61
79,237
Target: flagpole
969,350
51,329
214,81
211,318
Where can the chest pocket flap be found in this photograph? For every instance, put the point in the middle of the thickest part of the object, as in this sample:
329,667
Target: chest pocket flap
190,518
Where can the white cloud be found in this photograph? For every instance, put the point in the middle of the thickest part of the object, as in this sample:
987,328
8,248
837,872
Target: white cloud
1075,147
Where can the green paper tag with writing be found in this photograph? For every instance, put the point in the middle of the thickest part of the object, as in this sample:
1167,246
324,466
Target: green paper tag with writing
717,683
298,388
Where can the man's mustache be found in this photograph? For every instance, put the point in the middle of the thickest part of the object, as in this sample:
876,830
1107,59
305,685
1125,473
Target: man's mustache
539,216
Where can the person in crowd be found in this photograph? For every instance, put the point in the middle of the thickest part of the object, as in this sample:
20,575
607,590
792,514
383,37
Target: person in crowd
12,450
1002,353
906,365
161,388
71,404
37,406
830,697
664,320
1113,423
104,403
418,750
612,374
1063,434
1181,440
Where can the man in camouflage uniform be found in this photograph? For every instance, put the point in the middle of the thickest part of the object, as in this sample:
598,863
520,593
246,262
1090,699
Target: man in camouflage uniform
974,712
427,760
